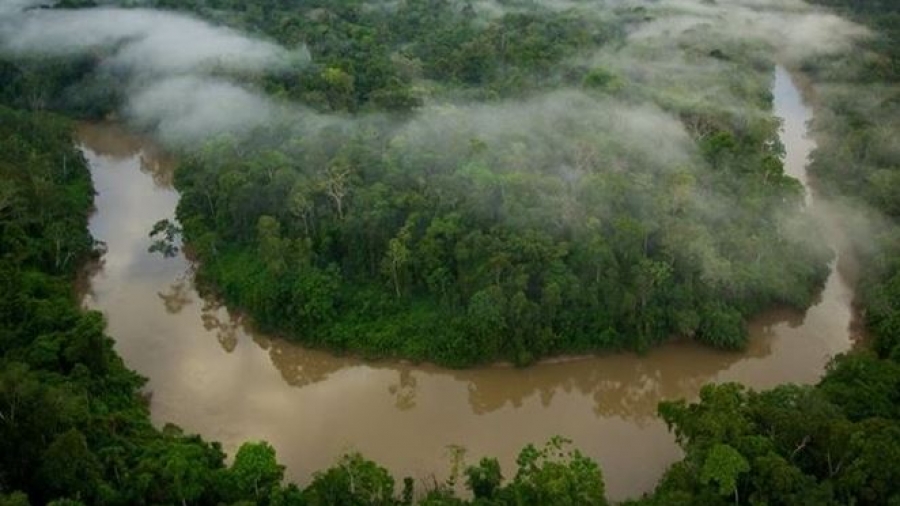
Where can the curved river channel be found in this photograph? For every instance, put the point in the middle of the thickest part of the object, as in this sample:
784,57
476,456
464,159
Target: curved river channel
211,375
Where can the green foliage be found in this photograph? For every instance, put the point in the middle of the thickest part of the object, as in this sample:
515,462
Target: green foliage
503,245
723,466
556,475
602,79
721,326
352,481
69,467
14,499
485,245
484,479
471,250
864,386
856,129
74,428
789,445
255,471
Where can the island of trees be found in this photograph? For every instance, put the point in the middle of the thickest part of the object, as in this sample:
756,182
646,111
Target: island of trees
529,224
484,245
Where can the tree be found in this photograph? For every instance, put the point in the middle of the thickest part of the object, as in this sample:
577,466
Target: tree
485,317
484,479
555,475
724,465
272,248
396,258
256,471
352,481
864,386
184,469
14,499
69,468
341,89
301,205
336,184
722,326
872,476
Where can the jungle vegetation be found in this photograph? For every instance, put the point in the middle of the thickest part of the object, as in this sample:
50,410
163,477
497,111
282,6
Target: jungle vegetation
485,245
554,214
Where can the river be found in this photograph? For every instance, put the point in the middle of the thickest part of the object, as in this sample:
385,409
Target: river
211,375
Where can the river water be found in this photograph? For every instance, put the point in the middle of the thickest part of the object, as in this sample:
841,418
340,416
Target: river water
211,375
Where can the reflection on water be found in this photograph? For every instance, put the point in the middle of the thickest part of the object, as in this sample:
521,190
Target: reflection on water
225,326
114,141
210,374
176,297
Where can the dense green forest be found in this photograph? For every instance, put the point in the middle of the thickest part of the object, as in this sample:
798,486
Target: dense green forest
542,221
857,123
370,236
837,442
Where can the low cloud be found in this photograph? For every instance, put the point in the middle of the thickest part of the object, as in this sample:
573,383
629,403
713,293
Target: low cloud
549,126
142,40
175,66
185,108
792,28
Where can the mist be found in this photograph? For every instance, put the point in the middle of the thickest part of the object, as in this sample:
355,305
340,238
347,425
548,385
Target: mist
792,29
549,128
174,68
9,7
187,108
143,41
185,79
177,67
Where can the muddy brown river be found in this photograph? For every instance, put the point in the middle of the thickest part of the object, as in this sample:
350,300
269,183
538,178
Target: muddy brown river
211,375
